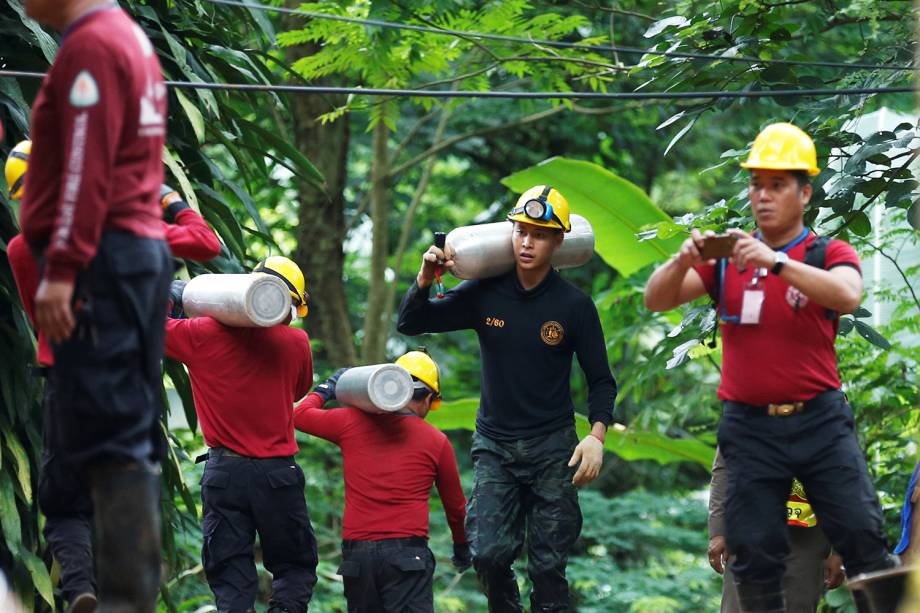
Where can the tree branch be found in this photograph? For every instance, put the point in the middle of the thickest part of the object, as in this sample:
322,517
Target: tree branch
475,133
897,267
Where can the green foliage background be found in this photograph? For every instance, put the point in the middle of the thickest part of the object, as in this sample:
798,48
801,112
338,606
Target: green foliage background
231,154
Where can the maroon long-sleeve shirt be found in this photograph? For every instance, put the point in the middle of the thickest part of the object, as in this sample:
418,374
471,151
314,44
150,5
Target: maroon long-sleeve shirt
390,462
98,127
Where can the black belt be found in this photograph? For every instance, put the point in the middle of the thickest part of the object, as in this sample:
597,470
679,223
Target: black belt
785,409
397,543
223,452
217,452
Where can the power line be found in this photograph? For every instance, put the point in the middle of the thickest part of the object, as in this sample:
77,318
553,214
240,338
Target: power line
554,43
513,95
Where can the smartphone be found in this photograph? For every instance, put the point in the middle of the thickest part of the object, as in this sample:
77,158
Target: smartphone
719,246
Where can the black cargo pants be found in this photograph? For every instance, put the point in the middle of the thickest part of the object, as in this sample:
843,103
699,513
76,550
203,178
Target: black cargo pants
819,446
388,575
243,496
107,374
64,499
523,486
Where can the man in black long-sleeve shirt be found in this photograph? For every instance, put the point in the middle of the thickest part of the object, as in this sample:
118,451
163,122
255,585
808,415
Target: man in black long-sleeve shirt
530,323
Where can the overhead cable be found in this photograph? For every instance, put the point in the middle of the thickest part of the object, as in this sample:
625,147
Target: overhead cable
512,95
555,43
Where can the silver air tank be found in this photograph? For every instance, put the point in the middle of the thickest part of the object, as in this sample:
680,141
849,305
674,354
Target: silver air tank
246,301
484,250
379,388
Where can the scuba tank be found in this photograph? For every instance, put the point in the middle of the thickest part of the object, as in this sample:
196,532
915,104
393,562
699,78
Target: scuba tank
379,388
484,250
245,301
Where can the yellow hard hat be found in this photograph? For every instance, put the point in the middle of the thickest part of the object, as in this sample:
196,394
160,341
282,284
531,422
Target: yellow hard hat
423,368
16,166
543,206
783,146
289,272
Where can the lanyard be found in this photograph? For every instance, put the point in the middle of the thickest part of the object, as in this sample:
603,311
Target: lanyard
723,263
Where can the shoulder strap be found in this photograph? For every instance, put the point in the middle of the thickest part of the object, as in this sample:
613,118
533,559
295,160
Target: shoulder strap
816,255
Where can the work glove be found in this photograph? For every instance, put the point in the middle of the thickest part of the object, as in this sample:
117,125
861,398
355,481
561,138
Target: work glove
172,203
463,557
590,452
326,389
176,288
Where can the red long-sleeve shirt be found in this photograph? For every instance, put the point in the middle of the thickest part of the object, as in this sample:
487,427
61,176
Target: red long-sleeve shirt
98,126
390,462
190,237
244,382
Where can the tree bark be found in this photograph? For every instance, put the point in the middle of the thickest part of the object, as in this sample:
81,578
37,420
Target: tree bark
321,223
375,333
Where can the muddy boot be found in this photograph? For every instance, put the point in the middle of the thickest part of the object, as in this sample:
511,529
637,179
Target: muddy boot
126,498
84,603
761,597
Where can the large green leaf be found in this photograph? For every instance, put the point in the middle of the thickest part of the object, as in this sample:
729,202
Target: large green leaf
9,515
628,444
39,573
23,473
616,208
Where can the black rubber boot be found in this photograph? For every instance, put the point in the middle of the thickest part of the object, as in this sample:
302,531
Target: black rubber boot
126,498
761,597
84,603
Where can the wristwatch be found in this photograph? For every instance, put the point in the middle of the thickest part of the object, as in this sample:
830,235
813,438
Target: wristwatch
779,260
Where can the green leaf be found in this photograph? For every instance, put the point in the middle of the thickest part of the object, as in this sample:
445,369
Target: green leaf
860,224
45,42
302,167
9,514
659,26
870,334
39,573
185,185
23,472
679,136
629,445
616,208
194,115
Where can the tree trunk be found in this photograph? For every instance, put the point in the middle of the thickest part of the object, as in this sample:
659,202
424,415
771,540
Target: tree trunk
375,333
321,230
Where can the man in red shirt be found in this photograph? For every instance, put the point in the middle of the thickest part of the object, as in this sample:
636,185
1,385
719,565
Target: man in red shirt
391,461
63,496
783,412
90,214
245,382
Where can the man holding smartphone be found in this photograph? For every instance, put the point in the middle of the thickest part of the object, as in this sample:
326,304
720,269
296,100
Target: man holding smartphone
783,412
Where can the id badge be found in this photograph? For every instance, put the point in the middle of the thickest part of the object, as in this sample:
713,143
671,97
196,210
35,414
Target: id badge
751,306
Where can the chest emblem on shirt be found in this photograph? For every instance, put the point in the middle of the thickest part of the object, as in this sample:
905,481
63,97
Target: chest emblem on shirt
84,92
796,299
552,332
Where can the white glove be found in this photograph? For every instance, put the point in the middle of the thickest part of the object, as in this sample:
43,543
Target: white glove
590,452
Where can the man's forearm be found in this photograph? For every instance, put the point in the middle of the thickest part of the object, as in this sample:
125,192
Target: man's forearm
662,293
838,292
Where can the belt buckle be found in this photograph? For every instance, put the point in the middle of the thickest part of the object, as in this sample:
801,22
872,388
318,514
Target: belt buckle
784,410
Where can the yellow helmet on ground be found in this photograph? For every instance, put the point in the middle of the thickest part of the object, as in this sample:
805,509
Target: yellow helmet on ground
289,272
543,206
783,146
423,368
16,166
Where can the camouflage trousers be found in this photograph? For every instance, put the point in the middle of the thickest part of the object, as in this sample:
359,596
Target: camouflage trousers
523,487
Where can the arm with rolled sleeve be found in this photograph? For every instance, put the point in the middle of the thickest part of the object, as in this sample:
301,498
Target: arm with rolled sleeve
718,492
451,492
